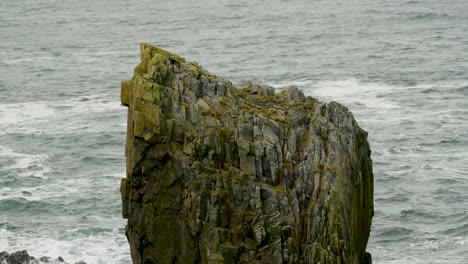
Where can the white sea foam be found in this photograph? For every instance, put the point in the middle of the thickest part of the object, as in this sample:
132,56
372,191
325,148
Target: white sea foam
371,94
91,104
355,92
101,248
7,238
56,116
118,175
420,250
28,194
27,165
58,190
283,85
12,114
350,92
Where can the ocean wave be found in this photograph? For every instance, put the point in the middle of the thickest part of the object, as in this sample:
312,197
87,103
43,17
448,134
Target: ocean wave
431,167
457,218
462,90
442,142
450,196
58,117
11,114
89,231
374,95
13,191
73,247
424,247
443,86
429,15
25,207
407,150
399,197
386,177
349,92
23,165
459,231
394,233
449,181
420,216
5,236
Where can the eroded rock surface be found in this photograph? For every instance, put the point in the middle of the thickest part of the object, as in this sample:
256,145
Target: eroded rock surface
218,174
23,257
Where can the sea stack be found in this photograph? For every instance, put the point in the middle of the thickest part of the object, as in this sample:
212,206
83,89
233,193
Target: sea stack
225,174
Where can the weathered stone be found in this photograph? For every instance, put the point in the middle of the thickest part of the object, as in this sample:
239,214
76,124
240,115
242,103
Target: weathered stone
124,95
3,255
19,257
217,174
22,257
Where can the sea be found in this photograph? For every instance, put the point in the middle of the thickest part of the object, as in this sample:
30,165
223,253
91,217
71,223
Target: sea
401,66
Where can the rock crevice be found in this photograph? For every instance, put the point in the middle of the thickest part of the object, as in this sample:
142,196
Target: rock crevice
220,174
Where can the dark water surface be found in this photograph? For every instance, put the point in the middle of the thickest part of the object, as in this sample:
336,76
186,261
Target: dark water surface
400,66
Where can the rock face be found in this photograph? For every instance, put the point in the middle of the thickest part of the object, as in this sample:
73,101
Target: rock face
217,174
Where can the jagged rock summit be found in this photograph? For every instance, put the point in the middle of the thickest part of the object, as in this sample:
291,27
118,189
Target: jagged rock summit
220,174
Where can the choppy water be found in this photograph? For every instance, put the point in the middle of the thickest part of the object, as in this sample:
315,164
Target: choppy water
400,66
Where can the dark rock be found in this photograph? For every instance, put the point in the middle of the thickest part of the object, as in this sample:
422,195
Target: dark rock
45,259
20,257
367,258
3,255
217,174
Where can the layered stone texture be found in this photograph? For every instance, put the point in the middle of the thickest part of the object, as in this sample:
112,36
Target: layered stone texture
220,174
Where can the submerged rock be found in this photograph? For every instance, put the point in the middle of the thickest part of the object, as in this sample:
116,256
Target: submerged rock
218,174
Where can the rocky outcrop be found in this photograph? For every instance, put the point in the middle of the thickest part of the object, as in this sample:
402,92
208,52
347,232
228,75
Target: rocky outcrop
219,174
22,257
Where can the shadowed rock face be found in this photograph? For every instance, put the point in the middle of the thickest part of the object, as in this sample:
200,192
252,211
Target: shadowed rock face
218,174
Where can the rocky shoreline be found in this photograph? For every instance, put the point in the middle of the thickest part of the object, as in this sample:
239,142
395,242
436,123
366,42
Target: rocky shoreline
225,174
23,257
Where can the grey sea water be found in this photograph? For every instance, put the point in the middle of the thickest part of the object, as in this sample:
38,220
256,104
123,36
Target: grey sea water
400,66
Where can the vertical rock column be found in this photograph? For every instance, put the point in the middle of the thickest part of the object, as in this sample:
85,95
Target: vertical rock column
219,174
